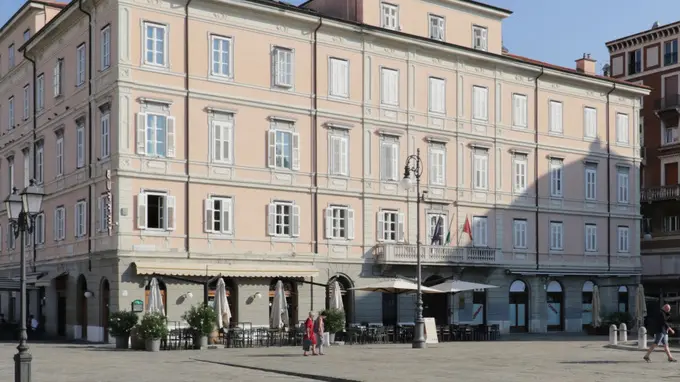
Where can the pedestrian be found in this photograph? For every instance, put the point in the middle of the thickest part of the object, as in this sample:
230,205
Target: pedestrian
309,340
319,330
661,329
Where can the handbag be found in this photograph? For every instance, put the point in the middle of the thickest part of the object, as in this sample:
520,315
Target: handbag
306,344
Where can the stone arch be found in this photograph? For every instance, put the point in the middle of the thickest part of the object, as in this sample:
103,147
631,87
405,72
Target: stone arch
346,285
518,301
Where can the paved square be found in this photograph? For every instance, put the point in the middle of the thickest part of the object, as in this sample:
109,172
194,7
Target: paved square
578,360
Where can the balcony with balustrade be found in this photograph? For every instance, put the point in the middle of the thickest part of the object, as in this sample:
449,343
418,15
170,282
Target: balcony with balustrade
660,193
393,254
667,106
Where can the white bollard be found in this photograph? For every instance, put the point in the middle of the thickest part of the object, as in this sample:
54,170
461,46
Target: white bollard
623,332
613,339
642,338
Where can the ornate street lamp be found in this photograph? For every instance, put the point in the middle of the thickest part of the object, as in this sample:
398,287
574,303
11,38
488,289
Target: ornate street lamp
21,211
414,166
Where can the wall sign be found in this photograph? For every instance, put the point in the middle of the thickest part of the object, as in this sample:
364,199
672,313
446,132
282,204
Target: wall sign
137,306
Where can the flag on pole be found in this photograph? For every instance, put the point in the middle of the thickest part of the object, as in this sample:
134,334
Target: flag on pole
448,234
466,228
438,232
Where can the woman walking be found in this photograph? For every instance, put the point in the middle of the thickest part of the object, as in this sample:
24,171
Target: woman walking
309,340
318,330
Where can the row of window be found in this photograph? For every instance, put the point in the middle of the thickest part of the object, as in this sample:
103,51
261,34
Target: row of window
557,236
670,57
590,179
11,50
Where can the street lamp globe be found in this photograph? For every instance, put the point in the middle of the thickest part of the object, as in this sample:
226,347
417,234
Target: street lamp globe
13,205
406,183
32,198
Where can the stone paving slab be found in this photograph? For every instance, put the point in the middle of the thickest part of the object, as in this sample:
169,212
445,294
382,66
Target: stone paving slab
502,361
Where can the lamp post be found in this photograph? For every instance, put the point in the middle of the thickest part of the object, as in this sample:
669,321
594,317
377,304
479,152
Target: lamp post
21,211
414,166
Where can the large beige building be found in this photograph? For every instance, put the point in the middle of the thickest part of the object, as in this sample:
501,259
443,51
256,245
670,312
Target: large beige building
259,141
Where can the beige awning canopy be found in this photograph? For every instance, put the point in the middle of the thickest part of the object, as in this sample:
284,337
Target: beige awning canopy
226,270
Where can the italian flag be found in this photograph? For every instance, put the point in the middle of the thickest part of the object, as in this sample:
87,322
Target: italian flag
448,235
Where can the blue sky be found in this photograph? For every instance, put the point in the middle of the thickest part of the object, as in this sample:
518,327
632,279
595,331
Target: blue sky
555,31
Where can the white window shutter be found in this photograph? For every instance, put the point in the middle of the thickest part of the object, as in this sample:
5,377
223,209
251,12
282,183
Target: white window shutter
141,133
350,224
295,226
385,86
100,214
384,158
271,219
86,228
344,78
208,208
329,223
1,233
275,66
55,227
400,227
344,156
227,222
296,151
395,161
271,154
141,211
56,80
170,138
381,226
432,166
75,220
171,210
227,142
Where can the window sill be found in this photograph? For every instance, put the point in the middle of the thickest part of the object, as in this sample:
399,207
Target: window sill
219,235
338,241
284,88
338,176
591,253
480,120
556,133
344,97
284,239
624,254
155,67
389,105
220,78
154,232
228,163
521,128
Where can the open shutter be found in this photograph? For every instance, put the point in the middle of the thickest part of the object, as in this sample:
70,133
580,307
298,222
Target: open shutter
296,151
344,77
99,217
271,154
275,66
295,228
329,223
55,228
209,216
171,211
483,35
432,167
227,206
333,149
383,161
227,142
86,227
170,138
141,210
384,86
394,161
271,219
141,133
55,80
350,224
344,152
400,227
75,221
381,226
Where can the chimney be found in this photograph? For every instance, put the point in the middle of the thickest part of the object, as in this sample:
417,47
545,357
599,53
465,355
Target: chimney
586,64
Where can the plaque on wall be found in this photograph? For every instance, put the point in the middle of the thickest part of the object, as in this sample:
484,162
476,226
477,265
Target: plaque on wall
137,306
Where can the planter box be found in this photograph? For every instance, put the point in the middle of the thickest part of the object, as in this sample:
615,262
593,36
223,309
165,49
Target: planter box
153,345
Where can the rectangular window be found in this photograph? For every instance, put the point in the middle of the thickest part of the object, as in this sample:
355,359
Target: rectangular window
635,61
519,166
80,145
10,173
103,213
480,103
27,167
480,231
105,143
589,122
556,175
670,135
106,47
555,117
481,169
156,211
390,16
479,38
436,27
284,219
519,110
338,154
389,159
11,239
10,114
80,64
156,134
27,35
40,229
219,215
283,67
40,90
437,165
60,155
39,163
284,149
622,128
520,233
591,181
591,238
222,135
221,58
10,55
59,223
670,55
390,226
437,90
556,236
339,223
389,87
432,220
155,44
27,102
57,85
623,236
339,77
623,180
671,223
80,213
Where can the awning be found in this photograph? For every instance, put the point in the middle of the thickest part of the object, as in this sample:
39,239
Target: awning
226,270
8,284
46,279
31,278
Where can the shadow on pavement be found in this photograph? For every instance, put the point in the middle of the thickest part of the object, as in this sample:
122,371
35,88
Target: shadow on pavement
529,337
282,372
595,362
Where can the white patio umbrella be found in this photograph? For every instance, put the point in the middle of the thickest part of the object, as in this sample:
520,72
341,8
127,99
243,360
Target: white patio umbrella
279,310
396,286
155,304
336,297
597,320
640,305
221,304
455,286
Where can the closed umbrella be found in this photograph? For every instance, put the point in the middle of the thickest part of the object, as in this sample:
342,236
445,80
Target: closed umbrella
396,286
279,310
640,305
221,304
155,304
455,286
336,297
596,307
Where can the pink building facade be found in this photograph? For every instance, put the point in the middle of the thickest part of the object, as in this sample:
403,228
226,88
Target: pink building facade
258,141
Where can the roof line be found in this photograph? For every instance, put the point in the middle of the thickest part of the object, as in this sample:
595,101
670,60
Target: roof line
27,5
642,33
472,2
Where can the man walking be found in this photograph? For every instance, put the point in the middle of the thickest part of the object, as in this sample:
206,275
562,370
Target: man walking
661,330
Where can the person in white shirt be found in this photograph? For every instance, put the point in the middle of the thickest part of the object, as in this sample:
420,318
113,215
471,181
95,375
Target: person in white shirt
34,323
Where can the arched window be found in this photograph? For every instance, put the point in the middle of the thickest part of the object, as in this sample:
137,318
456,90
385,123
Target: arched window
587,303
623,298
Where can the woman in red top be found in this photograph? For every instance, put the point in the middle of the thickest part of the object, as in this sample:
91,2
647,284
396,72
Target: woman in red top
309,340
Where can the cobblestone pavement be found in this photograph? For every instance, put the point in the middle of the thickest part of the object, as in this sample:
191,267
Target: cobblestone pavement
506,361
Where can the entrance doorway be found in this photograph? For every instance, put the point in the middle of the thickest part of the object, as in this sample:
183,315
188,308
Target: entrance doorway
104,301
436,305
555,302
587,304
81,306
389,309
479,307
519,307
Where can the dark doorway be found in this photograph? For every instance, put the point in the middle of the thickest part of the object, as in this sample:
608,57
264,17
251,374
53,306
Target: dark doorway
389,309
81,306
519,307
670,173
555,301
587,304
345,292
61,316
436,305
623,298
104,308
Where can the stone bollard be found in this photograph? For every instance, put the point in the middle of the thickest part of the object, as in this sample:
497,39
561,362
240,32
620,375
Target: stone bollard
623,332
613,339
642,338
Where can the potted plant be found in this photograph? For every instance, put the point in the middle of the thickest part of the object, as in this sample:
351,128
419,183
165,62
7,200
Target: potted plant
152,329
201,320
120,326
334,323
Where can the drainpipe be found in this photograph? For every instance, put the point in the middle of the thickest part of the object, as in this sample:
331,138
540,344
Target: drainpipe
88,134
538,253
187,146
315,172
35,126
609,186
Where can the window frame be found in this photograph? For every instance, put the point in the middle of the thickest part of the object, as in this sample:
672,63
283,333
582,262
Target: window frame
672,53
590,229
393,175
522,159
399,226
477,239
11,56
332,91
80,219
440,27
384,99
272,152
517,239
105,43
169,211
440,106
555,126
590,169
623,239
483,38
223,126
349,221
622,187
556,236
556,167
58,78
40,90
150,24
476,108
27,102
11,117
59,152
386,5
59,223
80,145
277,81
437,171
230,65
589,118
210,208
40,162
480,182
343,157
105,135
622,131
293,223
81,64
520,113
39,231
